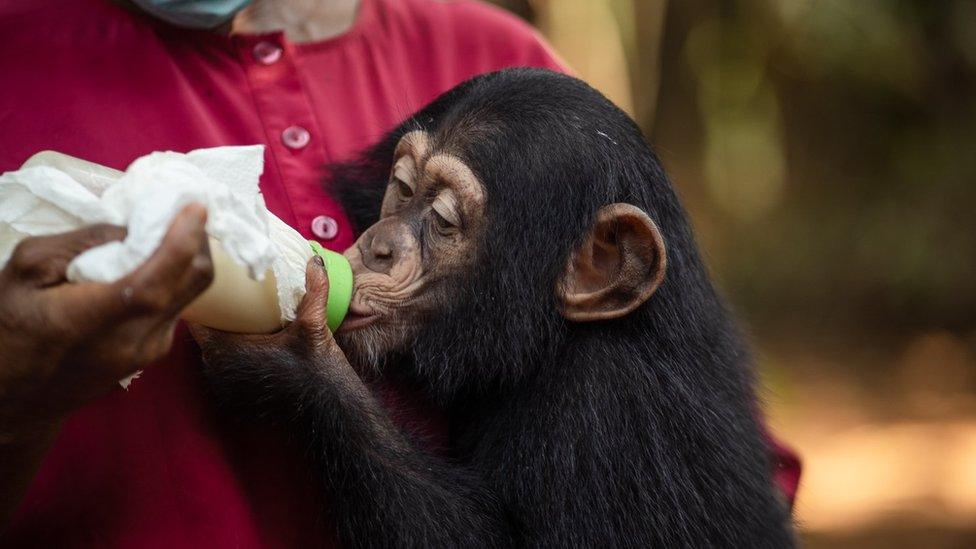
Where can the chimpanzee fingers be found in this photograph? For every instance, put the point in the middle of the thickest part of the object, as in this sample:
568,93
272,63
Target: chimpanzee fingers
43,260
236,366
219,357
230,343
227,342
311,315
203,335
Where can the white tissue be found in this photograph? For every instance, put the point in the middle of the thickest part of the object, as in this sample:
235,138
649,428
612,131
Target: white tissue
44,200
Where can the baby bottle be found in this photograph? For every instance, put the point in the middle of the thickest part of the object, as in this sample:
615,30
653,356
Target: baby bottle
234,302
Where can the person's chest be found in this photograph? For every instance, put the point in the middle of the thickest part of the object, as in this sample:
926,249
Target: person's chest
156,461
128,89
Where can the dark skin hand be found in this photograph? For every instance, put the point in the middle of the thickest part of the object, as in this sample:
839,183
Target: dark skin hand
63,345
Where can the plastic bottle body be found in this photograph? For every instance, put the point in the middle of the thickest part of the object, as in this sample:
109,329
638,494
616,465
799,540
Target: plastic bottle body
234,302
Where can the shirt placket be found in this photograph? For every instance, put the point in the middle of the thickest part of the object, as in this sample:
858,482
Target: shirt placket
295,147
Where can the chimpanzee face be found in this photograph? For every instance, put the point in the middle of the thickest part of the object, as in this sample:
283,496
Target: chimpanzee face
407,265
414,262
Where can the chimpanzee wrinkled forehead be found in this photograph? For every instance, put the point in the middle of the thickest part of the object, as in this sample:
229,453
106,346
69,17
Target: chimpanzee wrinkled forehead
540,143
529,122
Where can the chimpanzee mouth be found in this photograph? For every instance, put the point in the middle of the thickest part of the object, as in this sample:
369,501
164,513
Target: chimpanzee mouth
355,321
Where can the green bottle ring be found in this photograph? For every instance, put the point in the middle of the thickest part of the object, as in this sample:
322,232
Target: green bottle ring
340,284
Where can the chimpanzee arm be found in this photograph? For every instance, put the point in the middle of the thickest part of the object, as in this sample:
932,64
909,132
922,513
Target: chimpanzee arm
382,490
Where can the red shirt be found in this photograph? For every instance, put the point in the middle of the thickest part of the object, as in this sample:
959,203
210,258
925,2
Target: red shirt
156,466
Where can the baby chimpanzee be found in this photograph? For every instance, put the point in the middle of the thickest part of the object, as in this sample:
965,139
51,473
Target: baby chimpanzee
528,265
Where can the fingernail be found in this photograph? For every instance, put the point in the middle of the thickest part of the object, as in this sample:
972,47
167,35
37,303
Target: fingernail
319,261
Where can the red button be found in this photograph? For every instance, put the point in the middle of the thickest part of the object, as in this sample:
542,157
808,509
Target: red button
325,227
266,53
295,137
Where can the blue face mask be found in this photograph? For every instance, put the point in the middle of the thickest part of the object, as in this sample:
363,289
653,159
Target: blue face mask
193,14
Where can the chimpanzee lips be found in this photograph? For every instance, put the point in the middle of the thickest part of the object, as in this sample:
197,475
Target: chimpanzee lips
359,316
354,321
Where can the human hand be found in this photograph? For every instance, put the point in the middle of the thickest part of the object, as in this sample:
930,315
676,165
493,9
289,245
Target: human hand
61,344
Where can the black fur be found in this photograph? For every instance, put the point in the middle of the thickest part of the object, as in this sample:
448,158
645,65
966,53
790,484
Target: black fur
633,432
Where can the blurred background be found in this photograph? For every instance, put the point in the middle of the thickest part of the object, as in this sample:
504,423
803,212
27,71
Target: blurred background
826,150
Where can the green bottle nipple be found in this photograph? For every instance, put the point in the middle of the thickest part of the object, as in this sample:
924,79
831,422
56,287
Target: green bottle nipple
340,284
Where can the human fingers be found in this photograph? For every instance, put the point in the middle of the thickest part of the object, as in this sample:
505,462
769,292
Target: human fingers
178,271
43,260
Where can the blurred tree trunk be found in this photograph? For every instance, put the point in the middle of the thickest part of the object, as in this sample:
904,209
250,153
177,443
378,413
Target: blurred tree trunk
649,16
588,35
615,45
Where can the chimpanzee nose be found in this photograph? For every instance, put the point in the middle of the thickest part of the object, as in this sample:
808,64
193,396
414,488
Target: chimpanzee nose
378,248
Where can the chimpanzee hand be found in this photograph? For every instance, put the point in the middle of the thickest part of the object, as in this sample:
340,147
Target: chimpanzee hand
265,371
62,344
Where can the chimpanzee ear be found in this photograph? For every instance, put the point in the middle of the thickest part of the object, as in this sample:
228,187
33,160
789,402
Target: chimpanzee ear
617,268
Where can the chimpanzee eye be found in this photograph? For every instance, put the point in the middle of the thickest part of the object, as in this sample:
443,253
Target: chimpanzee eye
403,188
443,225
